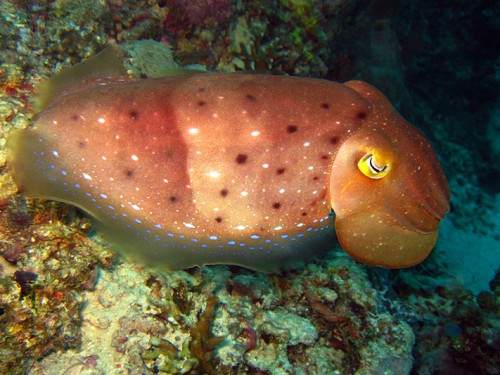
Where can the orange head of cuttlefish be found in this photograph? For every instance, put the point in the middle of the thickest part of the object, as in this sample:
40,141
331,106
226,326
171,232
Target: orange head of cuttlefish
387,189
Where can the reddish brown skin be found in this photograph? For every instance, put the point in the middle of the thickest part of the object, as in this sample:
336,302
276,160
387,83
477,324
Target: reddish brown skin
199,162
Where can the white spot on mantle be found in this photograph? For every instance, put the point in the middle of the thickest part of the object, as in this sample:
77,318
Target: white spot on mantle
213,174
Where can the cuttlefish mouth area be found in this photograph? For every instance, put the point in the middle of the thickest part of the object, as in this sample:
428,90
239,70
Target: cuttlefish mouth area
380,240
419,218
393,236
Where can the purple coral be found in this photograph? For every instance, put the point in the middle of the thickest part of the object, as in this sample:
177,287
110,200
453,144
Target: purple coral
184,13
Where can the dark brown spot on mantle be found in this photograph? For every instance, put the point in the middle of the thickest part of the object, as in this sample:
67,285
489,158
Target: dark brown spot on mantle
251,98
361,115
334,140
241,158
133,114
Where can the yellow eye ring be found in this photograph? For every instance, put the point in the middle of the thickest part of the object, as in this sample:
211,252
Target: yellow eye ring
369,166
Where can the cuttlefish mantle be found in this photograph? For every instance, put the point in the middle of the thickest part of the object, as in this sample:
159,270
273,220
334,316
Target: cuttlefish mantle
237,169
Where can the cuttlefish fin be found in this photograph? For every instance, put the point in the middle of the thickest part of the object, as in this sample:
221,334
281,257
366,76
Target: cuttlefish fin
105,67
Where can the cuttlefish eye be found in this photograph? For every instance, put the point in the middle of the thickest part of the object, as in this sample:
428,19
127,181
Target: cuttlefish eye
371,166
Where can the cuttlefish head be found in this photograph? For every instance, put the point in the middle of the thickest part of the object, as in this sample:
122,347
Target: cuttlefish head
387,189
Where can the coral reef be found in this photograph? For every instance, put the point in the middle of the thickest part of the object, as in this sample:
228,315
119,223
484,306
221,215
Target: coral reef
66,304
207,320
184,15
45,261
456,331
202,343
149,58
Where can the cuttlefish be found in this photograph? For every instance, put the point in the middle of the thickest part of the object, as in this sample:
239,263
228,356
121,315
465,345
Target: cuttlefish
253,170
